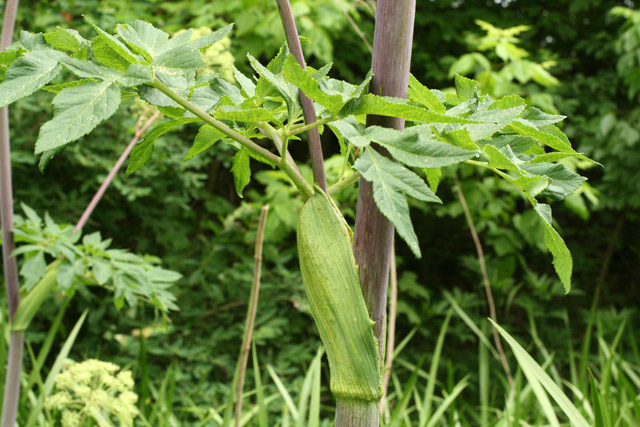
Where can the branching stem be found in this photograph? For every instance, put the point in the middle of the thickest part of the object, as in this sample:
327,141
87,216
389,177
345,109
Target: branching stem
290,169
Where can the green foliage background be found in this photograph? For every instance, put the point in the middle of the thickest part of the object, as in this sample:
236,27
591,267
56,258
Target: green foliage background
190,215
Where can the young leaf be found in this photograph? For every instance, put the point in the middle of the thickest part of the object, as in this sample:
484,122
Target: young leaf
105,54
287,90
247,85
391,182
143,151
562,260
116,45
466,88
28,74
294,73
144,39
77,111
241,170
421,94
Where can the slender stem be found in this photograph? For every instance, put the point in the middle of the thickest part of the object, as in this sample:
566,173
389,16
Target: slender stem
309,112
112,173
344,183
16,339
358,31
303,128
215,123
251,311
485,278
391,327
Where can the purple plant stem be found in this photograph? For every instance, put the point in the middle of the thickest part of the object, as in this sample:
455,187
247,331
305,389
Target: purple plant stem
16,340
313,135
373,235
112,173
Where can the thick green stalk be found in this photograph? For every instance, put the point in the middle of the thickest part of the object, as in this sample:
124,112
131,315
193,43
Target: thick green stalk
305,188
16,340
373,236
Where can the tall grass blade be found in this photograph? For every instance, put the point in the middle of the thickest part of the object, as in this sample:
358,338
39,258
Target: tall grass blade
537,376
437,415
467,320
399,410
291,407
263,419
433,372
314,406
596,402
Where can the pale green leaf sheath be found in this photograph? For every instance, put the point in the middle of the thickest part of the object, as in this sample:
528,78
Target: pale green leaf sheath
332,283
77,111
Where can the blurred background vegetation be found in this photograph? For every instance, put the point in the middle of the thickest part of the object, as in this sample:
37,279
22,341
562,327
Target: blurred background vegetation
579,58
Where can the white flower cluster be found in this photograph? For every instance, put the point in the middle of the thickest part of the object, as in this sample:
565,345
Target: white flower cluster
94,390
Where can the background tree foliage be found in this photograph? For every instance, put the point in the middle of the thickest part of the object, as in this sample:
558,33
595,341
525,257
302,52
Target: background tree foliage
573,57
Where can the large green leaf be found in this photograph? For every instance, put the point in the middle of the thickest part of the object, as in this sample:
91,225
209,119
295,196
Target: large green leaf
562,260
545,138
415,146
564,181
391,182
29,73
143,151
396,107
88,69
206,137
77,111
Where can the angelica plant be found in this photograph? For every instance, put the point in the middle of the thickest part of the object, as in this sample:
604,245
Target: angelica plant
519,143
